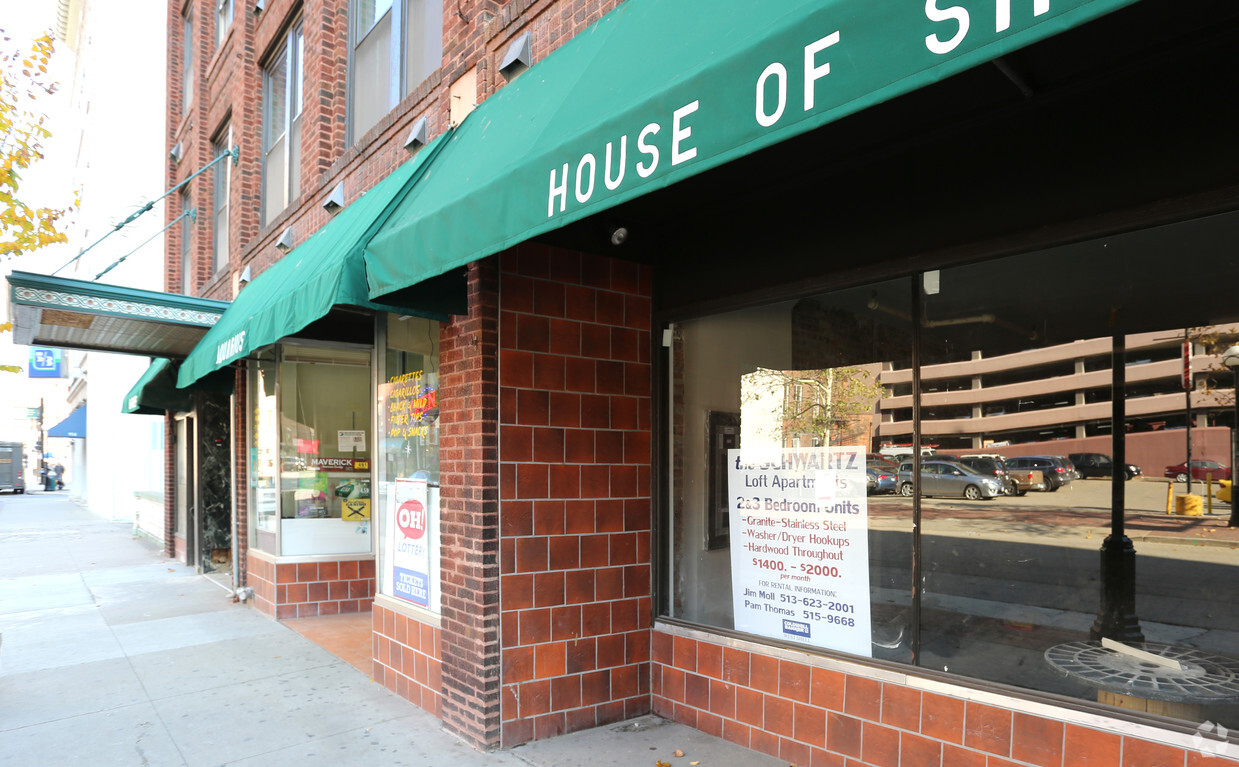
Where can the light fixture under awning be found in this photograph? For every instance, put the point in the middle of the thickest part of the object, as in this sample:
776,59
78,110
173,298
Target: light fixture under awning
318,275
658,91
76,314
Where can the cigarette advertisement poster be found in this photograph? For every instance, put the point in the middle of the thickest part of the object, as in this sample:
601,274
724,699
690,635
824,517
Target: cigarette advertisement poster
800,545
410,542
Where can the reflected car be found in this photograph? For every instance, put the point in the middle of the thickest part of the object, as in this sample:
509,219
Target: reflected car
881,480
1178,472
1054,474
950,479
992,464
876,461
1101,465
1068,465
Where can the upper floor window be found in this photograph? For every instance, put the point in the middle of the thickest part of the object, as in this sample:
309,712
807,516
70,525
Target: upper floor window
223,20
281,124
396,44
187,231
221,188
187,60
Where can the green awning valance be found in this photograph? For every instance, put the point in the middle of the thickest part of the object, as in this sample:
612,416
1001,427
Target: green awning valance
660,90
325,271
156,392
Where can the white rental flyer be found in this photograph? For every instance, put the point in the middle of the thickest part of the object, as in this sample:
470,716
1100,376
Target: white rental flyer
800,545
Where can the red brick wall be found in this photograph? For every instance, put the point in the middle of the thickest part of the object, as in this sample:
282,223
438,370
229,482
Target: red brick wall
407,658
575,482
310,589
817,716
469,513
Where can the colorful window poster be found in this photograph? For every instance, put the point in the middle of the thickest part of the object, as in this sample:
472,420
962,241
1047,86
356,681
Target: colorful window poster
800,545
411,541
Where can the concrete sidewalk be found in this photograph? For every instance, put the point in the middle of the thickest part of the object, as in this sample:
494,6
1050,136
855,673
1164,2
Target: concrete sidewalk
112,655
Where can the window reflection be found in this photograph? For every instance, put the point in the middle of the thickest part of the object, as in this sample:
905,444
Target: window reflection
1024,406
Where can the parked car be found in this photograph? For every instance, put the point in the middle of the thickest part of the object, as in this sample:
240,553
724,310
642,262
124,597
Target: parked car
1101,465
1068,465
1178,472
881,481
1054,473
947,478
991,465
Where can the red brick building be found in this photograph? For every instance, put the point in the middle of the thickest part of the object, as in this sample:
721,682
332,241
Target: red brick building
494,428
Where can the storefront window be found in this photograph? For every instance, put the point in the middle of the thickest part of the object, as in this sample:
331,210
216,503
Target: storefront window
310,451
773,531
1020,553
264,447
407,472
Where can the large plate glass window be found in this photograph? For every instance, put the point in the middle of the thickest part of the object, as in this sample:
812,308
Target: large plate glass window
775,528
310,447
264,451
1044,413
407,456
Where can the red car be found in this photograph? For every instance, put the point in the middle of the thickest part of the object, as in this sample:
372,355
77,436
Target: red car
1178,472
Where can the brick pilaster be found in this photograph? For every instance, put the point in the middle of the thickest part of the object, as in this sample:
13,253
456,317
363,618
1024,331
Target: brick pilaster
469,399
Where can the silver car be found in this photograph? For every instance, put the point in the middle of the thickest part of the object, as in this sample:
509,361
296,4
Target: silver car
949,479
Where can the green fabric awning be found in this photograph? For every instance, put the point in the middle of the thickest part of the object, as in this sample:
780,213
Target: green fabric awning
325,271
660,90
156,392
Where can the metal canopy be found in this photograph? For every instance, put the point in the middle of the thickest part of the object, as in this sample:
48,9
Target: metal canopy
76,314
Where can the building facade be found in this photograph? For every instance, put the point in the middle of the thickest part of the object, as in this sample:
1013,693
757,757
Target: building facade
502,277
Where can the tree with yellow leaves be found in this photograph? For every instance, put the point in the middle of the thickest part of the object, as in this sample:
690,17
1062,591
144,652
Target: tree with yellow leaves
23,79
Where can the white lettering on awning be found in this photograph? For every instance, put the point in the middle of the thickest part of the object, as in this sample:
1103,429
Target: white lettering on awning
230,348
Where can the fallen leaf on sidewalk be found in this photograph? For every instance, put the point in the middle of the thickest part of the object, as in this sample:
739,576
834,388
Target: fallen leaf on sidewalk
661,763
678,753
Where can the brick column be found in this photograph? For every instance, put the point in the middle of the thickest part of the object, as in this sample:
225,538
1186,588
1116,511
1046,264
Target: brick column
469,472
169,486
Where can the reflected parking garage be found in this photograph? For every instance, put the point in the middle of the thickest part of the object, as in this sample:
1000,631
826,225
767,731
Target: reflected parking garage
1070,585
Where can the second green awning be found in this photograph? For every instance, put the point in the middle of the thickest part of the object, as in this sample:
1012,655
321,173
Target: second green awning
156,392
660,90
325,271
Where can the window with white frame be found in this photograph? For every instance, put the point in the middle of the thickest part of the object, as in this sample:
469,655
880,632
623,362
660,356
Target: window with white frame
187,61
396,44
187,230
221,194
223,20
281,125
